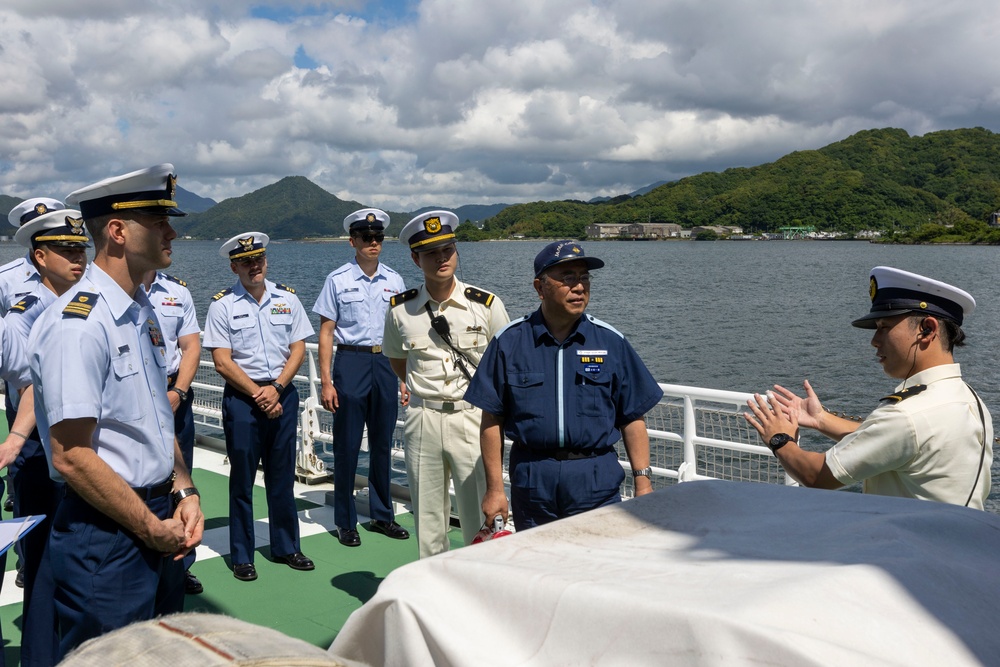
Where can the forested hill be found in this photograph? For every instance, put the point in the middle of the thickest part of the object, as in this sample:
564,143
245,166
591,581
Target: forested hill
292,208
876,179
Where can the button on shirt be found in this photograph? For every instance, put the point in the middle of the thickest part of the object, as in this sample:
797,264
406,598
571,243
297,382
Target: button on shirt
357,303
175,311
431,371
17,280
927,446
571,395
109,366
259,335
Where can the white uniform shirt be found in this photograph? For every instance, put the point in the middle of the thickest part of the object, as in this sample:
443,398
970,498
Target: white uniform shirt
97,353
926,446
357,303
431,372
18,279
175,311
258,334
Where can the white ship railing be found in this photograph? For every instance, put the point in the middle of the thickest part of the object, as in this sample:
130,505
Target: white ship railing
694,433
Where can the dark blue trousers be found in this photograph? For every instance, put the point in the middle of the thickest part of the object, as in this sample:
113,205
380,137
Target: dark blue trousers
251,440
37,493
184,430
105,576
367,391
543,489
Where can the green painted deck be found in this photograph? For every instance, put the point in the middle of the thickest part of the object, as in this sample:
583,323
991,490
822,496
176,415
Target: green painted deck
312,606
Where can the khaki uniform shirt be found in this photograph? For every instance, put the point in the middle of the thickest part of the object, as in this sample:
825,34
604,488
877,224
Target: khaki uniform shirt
431,371
925,446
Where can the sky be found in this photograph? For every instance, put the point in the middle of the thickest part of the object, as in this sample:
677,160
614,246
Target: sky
413,103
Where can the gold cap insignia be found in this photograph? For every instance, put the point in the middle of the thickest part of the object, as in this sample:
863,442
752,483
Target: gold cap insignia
246,243
41,209
75,225
171,186
370,218
872,287
432,225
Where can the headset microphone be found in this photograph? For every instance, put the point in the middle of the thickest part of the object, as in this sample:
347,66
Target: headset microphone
925,332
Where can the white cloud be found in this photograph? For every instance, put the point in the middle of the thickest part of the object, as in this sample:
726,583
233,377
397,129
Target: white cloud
471,102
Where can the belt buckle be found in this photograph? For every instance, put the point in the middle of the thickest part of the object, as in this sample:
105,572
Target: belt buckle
448,406
376,349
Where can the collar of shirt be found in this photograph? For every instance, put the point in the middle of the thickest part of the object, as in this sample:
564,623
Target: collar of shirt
29,267
540,332
455,300
933,374
240,292
118,301
358,274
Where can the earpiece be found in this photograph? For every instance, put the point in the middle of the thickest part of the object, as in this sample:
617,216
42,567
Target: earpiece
925,332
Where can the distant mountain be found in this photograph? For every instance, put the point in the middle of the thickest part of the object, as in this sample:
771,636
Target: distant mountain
294,207
189,202
475,213
7,203
876,179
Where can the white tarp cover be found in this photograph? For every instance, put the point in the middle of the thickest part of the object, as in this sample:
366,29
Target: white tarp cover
704,573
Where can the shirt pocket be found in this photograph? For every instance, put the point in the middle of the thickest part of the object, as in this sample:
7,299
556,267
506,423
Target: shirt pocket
593,391
123,402
473,345
352,308
245,336
527,395
427,359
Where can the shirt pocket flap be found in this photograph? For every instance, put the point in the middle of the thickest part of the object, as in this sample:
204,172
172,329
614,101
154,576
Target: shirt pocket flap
125,364
525,378
238,322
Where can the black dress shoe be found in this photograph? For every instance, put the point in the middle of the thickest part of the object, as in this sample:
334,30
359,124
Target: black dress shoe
245,572
390,529
191,584
19,579
349,537
296,561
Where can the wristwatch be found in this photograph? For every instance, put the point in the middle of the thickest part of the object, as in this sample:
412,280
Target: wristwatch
178,496
645,472
279,387
180,392
779,440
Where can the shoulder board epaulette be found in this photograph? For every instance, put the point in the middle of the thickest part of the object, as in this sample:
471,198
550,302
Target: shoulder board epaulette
222,294
403,298
286,288
605,325
81,305
478,295
175,280
23,304
906,393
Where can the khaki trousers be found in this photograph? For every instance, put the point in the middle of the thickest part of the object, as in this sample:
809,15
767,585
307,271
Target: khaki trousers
443,446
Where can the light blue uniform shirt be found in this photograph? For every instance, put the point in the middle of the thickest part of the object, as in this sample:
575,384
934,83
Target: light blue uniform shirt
175,311
18,279
13,360
22,314
357,303
259,335
104,359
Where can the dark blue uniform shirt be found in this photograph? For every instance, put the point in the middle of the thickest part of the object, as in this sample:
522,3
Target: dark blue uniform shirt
573,395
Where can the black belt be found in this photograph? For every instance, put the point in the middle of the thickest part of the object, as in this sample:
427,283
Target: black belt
145,493
171,379
262,383
570,454
371,349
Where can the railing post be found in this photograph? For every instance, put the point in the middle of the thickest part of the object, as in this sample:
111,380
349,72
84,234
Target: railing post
689,469
306,458
313,377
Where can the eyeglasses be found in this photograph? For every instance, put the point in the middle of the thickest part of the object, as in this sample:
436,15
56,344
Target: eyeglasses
251,260
571,279
368,238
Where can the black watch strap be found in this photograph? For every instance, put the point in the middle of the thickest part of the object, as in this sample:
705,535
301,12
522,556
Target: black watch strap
779,440
180,392
184,493
279,387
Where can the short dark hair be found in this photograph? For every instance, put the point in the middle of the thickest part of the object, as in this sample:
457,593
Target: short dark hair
98,228
951,332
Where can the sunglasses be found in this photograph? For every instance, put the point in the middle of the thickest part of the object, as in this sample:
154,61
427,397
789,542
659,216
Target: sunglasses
251,260
368,238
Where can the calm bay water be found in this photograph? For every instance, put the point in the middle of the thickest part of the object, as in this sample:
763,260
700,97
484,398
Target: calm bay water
726,315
